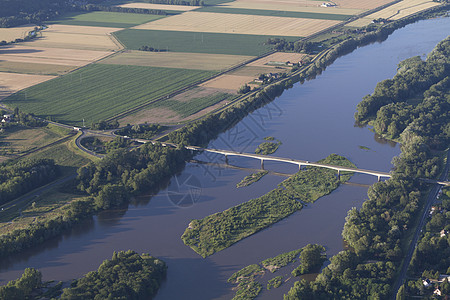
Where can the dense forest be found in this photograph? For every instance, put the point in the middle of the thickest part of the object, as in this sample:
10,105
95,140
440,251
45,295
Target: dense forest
375,232
127,275
122,173
414,101
21,177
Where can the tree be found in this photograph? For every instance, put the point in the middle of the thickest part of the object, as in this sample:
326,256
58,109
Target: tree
401,294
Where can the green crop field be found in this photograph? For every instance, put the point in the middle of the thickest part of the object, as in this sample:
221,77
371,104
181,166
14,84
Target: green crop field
197,42
273,13
98,92
194,105
105,19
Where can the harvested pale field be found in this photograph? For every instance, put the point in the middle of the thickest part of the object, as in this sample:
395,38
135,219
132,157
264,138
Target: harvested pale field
56,56
11,82
239,24
361,4
32,68
256,71
394,12
304,6
159,6
195,61
186,106
158,115
76,37
277,57
11,34
75,41
228,82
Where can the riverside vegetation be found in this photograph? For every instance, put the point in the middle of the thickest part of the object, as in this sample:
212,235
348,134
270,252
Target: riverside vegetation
377,233
219,231
144,274
252,178
249,279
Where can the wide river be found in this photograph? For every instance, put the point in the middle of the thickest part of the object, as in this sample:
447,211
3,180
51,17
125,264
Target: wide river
312,120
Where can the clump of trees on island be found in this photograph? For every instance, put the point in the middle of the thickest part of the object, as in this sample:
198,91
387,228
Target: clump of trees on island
127,275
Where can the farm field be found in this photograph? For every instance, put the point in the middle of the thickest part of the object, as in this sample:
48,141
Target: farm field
361,4
76,37
228,82
274,13
304,6
254,72
179,60
99,91
20,140
158,6
277,57
11,34
54,56
105,19
195,42
32,68
183,107
11,82
239,24
396,11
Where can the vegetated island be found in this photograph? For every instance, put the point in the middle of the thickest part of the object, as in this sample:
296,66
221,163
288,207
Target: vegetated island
267,148
252,178
143,276
221,230
249,279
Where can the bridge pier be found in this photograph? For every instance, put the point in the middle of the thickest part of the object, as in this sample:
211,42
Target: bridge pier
339,175
299,167
379,178
226,159
262,164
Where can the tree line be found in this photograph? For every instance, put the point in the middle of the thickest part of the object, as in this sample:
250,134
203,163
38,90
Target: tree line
19,178
177,2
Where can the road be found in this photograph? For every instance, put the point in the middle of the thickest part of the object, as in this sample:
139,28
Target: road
407,260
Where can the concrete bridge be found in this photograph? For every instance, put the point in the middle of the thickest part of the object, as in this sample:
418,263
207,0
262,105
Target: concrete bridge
297,162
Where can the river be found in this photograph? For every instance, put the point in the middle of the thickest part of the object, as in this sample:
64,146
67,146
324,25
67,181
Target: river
312,120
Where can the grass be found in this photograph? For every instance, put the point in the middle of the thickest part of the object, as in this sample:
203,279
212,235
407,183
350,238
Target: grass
252,178
105,19
20,140
194,105
98,92
274,13
314,182
32,68
279,261
275,282
197,42
267,148
221,230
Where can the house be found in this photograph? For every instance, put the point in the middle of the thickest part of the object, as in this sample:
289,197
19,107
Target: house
327,4
442,234
426,282
437,291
